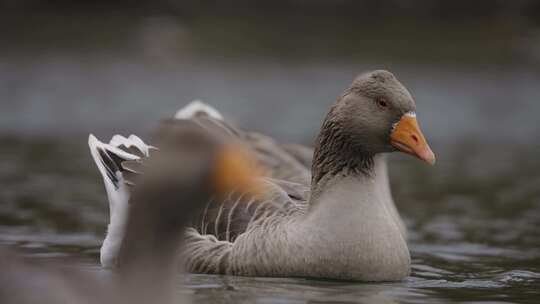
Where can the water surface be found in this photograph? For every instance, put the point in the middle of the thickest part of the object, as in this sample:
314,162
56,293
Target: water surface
473,236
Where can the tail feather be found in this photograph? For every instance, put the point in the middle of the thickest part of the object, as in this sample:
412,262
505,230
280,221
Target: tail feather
132,143
196,108
109,158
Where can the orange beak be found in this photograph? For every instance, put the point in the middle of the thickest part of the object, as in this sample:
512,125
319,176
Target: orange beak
408,138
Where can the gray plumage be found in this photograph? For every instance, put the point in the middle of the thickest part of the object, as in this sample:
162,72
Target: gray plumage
327,212
280,233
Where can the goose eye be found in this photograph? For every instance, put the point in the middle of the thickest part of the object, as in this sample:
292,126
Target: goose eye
381,102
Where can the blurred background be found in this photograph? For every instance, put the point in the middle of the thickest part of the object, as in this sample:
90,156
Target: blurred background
68,68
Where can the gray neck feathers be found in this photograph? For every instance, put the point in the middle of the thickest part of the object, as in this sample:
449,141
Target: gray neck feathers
335,152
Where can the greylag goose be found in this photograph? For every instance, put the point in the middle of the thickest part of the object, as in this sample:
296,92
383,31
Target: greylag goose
326,213
178,180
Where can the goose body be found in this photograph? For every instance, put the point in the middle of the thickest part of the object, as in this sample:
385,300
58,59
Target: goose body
327,212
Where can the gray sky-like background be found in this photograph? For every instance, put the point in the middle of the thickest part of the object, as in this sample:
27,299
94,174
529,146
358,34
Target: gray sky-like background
78,67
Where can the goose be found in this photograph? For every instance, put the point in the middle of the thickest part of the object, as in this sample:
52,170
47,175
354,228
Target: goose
178,180
326,213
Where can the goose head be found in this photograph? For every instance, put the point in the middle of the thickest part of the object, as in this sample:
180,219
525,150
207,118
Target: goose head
380,114
376,114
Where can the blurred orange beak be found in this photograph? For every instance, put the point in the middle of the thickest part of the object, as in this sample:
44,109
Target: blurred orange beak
236,170
408,138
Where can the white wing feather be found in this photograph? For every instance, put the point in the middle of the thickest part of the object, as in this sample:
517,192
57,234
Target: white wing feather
195,107
106,157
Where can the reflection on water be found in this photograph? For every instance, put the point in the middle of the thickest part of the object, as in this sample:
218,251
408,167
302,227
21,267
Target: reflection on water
473,236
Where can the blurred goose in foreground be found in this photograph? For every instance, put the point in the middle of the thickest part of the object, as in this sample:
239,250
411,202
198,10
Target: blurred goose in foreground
326,213
178,180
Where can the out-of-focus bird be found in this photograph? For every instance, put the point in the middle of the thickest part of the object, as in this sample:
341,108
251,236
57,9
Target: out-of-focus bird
167,186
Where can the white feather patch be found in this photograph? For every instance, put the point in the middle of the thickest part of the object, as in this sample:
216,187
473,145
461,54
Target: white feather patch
410,114
131,141
195,107
117,192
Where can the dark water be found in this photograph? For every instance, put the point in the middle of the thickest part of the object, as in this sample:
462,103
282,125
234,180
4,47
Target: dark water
473,219
473,222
